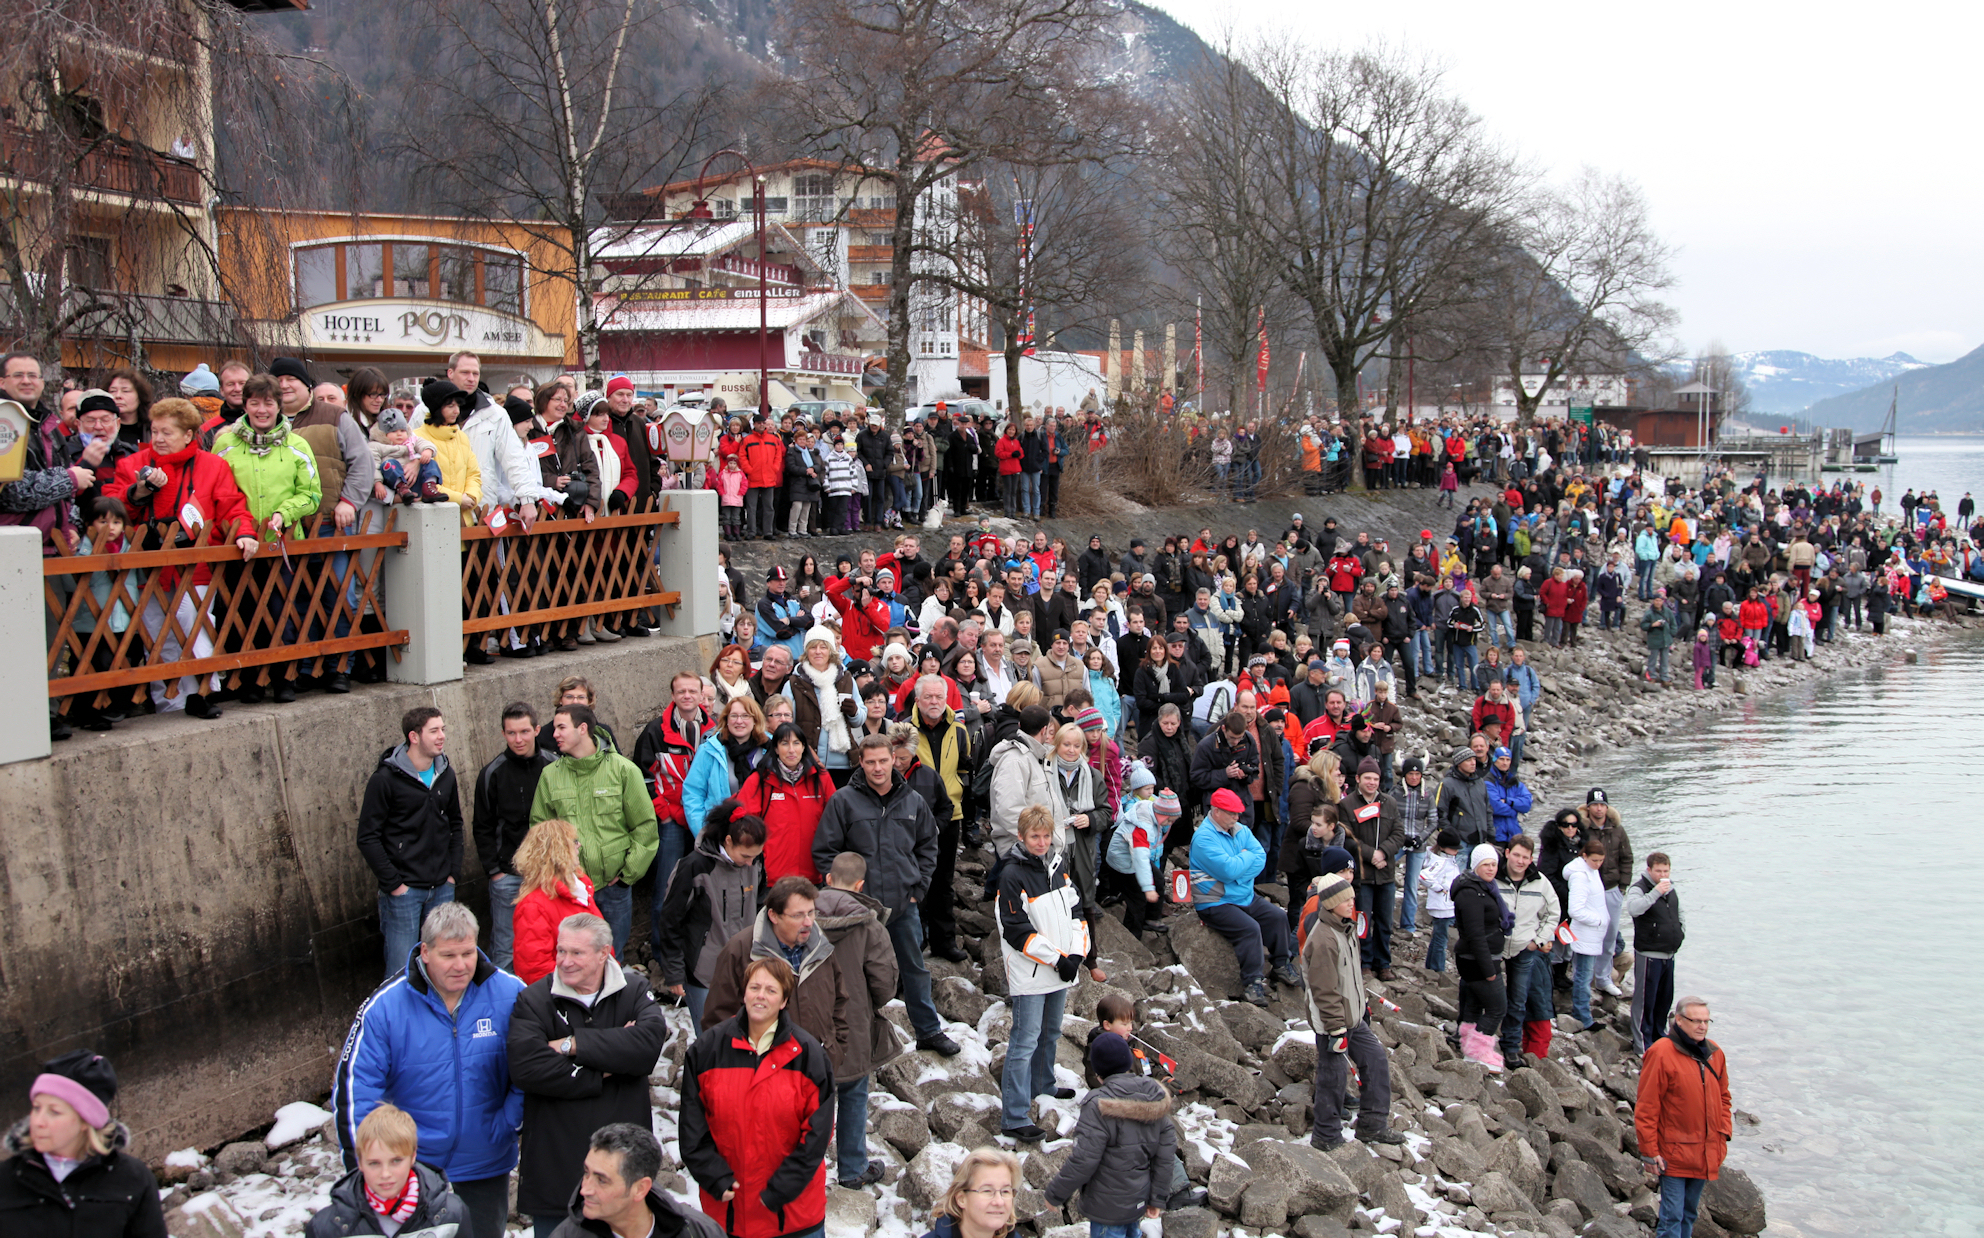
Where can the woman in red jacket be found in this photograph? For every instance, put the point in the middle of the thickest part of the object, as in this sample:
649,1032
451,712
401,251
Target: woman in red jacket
864,620
1552,595
757,1112
554,886
789,792
1008,452
174,481
1576,596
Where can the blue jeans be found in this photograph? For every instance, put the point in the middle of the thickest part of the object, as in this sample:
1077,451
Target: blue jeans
502,931
616,907
1656,664
1502,623
1030,495
1097,1229
1462,661
1422,653
1581,969
1408,915
675,843
695,996
1258,933
906,934
850,1128
1643,573
1029,1069
1680,1200
400,918
1515,747
1528,978
1436,949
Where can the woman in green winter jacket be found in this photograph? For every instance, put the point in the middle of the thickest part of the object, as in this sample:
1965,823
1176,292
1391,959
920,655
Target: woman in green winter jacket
277,475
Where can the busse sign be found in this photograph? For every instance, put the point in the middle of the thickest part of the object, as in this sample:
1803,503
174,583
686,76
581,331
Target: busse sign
421,326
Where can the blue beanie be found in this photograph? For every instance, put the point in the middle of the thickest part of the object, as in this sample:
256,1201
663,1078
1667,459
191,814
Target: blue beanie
200,382
1109,1055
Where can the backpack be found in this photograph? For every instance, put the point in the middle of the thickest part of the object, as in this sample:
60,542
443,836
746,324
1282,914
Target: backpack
981,777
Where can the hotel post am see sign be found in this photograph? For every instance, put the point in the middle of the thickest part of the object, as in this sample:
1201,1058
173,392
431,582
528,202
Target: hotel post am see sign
421,326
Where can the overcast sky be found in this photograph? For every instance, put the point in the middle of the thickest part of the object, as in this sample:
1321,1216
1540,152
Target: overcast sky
1812,165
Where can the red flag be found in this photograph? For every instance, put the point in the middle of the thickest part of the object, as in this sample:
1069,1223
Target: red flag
1261,367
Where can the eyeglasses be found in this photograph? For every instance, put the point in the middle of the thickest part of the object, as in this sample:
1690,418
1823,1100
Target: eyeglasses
991,1192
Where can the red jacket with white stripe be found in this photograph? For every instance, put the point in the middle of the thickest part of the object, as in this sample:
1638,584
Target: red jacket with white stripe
759,1125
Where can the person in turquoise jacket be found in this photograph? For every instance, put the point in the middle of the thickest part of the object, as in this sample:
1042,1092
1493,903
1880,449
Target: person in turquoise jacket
1225,860
434,1040
724,760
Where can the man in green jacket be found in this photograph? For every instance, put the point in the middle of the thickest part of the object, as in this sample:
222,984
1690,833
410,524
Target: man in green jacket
602,793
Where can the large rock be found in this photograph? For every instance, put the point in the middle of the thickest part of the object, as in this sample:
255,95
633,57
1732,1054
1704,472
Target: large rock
954,1111
850,1211
1111,938
1456,1160
1514,1157
1392,1197
1041,1167
1220,1077
929,1175
1612,1225
905,1130
237,1159
1735,1202
959,1000
1191,1223
1580,1183
898,1079
992,978
1495,1193
1230,1176
1264,1205
1296,1058
206,1216
1318,1183
1206,956
1320,1227
1253,1027
1088,994
1534,1091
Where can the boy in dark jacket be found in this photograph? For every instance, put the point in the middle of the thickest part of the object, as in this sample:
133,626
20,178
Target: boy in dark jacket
713,896
389,1191
1124,1146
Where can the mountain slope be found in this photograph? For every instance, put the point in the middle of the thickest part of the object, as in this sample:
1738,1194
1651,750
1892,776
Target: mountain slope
1933,399
1782,380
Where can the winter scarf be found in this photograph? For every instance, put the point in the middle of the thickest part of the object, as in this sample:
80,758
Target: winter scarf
260,442
401,1209
830,716
743,755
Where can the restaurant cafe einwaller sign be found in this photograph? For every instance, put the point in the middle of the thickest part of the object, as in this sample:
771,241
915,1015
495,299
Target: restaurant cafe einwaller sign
420,326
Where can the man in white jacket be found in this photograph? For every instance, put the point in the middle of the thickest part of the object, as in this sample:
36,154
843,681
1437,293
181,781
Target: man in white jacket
511,478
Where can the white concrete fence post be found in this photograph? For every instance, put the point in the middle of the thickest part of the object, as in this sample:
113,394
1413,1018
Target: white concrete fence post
686,557
24,734
423,584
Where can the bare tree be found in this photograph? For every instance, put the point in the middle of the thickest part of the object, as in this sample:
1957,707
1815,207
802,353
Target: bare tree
918,92
1381,188
1078,261
1209,204
1575,288
109,124
1715,366
550,110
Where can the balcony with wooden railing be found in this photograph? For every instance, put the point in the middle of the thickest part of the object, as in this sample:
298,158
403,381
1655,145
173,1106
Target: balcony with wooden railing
107,165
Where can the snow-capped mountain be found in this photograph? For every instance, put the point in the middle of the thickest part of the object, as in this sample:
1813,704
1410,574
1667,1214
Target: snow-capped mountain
1782,380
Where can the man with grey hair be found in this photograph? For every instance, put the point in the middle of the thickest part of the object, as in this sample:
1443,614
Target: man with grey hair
582,1042
431,1040
1682,1115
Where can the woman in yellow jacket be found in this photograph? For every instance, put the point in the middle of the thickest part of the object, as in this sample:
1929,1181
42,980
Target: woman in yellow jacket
461,481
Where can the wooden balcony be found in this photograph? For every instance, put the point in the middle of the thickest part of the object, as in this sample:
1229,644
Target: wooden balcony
111,165
870,253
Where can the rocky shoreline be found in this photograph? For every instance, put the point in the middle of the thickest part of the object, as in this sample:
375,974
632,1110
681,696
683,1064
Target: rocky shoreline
1546,1148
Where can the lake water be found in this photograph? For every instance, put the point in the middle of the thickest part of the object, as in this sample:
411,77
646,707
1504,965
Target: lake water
1818,839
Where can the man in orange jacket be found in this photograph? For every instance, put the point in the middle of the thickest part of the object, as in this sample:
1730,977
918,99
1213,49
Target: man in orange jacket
1683,1115
762,454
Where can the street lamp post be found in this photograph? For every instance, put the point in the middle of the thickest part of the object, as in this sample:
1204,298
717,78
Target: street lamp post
701,210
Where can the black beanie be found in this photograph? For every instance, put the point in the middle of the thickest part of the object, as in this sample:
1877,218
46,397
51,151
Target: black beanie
290,367
1109,1055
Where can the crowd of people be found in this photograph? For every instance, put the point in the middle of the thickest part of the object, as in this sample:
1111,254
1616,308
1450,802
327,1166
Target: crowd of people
1208,729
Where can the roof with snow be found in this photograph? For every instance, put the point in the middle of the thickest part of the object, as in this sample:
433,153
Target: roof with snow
698,239
735,314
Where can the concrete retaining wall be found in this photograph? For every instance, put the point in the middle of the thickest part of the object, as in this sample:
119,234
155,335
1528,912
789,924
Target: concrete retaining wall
187,898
